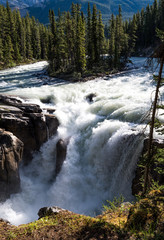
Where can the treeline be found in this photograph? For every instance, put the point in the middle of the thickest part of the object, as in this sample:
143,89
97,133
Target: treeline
21,39
144,24
78,42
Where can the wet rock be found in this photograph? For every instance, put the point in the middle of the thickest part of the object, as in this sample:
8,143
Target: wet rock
61,151
14,101
52,124
11,151
48,99
46,211
90,97
10,109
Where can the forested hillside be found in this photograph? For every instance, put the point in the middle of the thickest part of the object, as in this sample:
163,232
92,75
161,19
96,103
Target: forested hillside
21,39
75,43
80,43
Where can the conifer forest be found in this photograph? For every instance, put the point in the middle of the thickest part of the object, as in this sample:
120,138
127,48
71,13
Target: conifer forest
73,42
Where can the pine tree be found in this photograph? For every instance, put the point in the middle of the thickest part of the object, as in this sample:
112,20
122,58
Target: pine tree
43,41
95,35
12,33
112,29
132,35
21,36
89,39
100,35
35,38
61,46
81,51
70,39
8,51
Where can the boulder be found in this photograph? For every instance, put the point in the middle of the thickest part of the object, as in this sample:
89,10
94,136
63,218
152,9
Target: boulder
90,97
28,123
47,211
61,151
11,151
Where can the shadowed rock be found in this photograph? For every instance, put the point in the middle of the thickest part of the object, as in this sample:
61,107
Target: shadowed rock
11,151
90,97
61,151
46,211
28,123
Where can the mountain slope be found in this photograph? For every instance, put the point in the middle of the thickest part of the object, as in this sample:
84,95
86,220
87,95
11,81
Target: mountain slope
21,4
105,6
40,8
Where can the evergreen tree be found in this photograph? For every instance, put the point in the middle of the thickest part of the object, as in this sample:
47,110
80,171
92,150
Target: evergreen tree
29,52
61,46
52,52
132,34
95,35
20,32
89,39
70,39
112,29
8,51
80,52
35,39
100,35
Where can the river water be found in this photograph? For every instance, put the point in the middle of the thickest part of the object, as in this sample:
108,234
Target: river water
105,139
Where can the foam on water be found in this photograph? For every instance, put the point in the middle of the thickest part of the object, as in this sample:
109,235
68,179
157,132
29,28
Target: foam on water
104,142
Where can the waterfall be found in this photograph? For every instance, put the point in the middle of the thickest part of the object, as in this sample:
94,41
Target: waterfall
105,139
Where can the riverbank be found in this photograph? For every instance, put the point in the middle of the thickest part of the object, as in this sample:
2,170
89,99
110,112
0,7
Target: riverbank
14,64
143,220
85,76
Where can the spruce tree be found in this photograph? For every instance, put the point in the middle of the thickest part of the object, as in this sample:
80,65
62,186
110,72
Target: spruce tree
100,35
89,39
95,35
112,30
61,46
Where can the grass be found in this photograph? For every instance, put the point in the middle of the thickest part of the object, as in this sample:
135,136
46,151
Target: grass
142,220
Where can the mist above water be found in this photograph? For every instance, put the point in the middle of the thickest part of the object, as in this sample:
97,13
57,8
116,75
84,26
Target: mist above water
104,137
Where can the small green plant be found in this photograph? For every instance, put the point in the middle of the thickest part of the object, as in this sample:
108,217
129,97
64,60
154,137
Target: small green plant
156,186
113,205
11,235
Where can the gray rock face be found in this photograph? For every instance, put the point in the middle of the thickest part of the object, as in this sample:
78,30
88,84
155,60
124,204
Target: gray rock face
23,129
46,211
11,150
28,123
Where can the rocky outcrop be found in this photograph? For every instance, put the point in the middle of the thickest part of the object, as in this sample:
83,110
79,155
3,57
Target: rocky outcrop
90,97
47,211
136,184
27,122
11,150
61,151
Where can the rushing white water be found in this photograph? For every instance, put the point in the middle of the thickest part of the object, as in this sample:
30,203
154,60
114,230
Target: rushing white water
104,140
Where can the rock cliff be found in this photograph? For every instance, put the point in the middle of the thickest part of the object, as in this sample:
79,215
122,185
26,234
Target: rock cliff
24,128
11,150
27,122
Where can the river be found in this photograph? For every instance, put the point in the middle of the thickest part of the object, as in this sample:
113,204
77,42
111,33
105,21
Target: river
105,139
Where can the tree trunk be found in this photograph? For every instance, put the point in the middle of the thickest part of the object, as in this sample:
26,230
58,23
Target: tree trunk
150,150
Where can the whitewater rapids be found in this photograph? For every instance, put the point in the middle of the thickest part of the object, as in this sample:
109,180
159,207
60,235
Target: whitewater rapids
105,139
